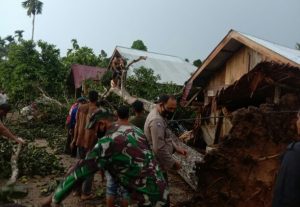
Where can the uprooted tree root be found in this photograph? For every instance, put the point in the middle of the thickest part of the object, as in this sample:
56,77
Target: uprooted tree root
242,170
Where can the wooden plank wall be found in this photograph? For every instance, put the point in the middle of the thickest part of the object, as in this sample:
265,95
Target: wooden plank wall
217,81
239,64
255,58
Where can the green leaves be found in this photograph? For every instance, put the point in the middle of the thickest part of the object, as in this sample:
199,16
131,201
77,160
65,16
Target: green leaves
37,161
29,66
33,7
139,45
151,88
84,56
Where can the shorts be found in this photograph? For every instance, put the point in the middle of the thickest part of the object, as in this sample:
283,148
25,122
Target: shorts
113,188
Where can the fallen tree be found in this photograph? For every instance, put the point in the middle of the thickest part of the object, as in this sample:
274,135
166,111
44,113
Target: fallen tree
128,98
188,163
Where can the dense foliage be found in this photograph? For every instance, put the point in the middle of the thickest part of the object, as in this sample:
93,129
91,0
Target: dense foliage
139,45
30,67
151,88
197,63
35,159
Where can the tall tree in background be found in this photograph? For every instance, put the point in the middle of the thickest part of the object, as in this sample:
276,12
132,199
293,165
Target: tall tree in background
19,34
139,45
33,7
10,39
3,51
80,55
298,46
197,63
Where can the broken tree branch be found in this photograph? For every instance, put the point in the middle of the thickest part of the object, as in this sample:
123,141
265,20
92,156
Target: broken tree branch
49,98
14,166
268,157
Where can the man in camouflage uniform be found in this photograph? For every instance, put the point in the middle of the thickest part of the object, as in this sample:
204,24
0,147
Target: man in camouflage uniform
125,153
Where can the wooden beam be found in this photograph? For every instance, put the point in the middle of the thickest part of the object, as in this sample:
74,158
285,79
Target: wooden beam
277,92
190,101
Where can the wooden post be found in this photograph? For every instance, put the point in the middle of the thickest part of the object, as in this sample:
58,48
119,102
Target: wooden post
218,128
277,92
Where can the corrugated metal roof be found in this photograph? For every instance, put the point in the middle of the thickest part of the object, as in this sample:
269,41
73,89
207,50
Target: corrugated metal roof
289,53
169,68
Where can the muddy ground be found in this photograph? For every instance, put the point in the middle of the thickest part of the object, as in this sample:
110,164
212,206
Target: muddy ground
180,191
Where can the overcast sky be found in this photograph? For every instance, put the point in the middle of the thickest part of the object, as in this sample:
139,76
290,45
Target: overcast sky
185,28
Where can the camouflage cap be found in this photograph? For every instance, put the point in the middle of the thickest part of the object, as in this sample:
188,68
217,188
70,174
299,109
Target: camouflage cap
98,115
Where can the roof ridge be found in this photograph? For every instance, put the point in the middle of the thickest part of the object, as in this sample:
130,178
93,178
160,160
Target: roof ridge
157,53
275,43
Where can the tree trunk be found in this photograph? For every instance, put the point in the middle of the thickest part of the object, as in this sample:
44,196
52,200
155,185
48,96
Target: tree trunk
14,166
33,20
128,98
187,172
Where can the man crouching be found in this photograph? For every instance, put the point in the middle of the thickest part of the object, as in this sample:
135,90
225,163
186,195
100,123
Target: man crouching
125,153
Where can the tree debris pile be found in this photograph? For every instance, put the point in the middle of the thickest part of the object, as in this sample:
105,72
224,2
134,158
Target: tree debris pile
47,124
37,161
32,161
242,169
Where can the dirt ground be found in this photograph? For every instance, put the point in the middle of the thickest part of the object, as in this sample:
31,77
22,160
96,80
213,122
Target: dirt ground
180,191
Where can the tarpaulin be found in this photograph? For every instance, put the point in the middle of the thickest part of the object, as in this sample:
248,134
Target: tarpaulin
84,72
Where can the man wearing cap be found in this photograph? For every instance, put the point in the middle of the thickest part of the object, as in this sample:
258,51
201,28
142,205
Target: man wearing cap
124,152
161,139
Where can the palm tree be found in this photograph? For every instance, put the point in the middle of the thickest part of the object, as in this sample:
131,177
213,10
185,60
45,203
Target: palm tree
33,7
3,49
9,39
19,34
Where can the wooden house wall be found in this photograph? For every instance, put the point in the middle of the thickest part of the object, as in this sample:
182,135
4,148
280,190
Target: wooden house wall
239,64
217,81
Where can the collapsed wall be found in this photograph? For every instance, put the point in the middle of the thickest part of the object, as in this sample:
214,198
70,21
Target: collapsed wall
241,171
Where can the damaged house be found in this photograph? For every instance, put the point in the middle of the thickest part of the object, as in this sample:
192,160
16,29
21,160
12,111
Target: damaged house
247,96
241,71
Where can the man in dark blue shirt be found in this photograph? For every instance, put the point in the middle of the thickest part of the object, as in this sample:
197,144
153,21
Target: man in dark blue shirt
287,187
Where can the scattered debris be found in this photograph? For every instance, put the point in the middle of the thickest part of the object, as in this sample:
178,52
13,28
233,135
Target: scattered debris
241,171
